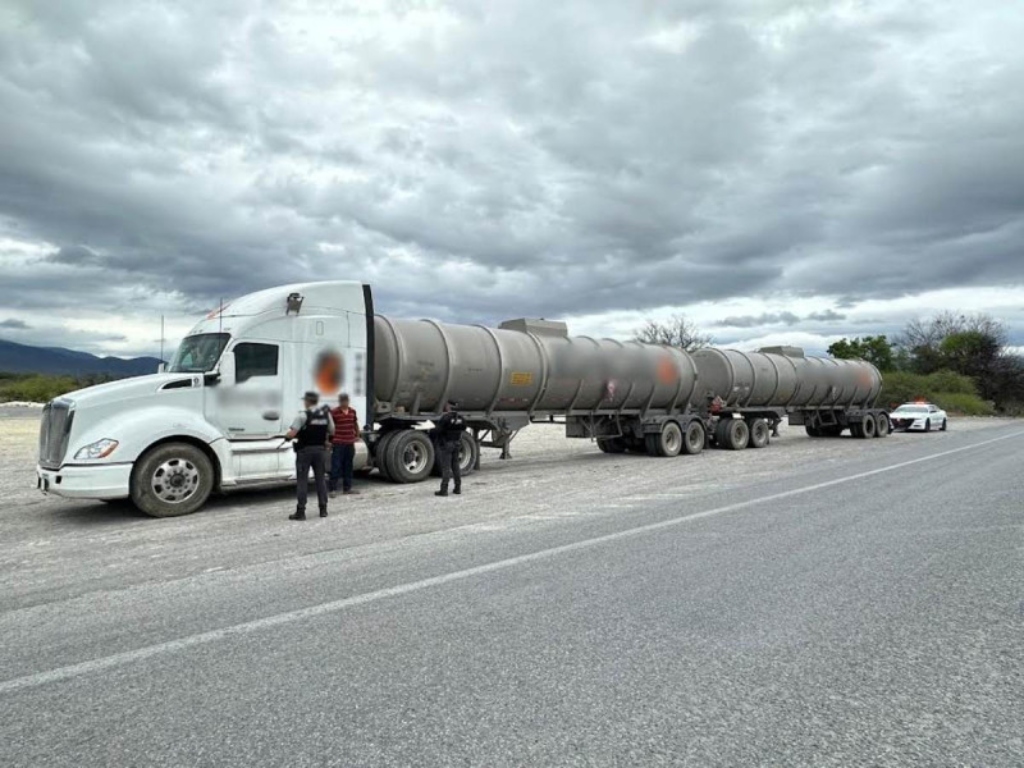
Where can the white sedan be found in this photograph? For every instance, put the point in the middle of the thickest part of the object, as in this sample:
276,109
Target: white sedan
923,416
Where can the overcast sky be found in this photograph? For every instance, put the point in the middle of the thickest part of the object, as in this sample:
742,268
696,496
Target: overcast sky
782,172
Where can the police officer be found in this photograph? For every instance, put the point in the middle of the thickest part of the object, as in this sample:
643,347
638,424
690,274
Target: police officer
448,435
312,431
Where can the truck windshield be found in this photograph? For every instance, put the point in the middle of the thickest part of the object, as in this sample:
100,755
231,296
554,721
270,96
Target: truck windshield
199,353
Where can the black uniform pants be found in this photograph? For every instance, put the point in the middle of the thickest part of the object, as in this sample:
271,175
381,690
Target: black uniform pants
315,458
449,453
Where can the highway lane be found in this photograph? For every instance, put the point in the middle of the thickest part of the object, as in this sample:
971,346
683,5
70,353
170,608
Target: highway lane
877,619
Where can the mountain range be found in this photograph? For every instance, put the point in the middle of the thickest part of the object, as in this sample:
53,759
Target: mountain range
22,358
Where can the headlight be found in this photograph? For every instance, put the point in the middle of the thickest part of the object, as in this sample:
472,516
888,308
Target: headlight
98,450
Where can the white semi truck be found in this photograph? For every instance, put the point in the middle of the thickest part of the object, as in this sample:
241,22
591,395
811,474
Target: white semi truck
214,420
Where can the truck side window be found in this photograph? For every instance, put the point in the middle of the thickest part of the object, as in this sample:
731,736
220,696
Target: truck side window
255,360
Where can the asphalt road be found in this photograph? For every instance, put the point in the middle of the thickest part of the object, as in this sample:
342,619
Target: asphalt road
863,604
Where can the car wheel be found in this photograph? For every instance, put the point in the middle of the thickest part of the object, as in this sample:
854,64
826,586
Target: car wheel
928,425
943,428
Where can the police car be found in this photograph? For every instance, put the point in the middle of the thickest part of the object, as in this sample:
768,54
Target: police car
918,415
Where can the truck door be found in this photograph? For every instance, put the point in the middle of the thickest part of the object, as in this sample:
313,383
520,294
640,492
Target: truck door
247,405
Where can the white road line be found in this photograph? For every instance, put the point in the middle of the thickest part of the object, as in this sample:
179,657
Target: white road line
248,627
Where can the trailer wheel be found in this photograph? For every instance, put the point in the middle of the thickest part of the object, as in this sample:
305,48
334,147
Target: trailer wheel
693,438
882,428
171,480
611,444
759,433
667,442
410,456
468,450
733,434
812,431
866,427
381,453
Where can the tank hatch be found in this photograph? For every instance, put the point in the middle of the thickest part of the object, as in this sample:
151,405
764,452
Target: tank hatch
538,327
784,351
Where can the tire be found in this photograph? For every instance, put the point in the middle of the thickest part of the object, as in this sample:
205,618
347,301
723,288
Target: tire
866,427
812,431
944,426
667,442
693,438
882,427
611,444
833,430
735,434
381,453
760,434
410,456
172,480
468,450
636,444
927,425
856,431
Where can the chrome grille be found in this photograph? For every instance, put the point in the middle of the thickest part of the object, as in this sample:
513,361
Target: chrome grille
54,432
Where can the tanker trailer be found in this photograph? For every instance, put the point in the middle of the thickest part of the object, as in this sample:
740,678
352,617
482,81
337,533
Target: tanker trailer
626,395
825,395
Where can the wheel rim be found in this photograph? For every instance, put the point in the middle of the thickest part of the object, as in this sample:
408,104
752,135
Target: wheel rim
414,457
671,438
760,433
175,481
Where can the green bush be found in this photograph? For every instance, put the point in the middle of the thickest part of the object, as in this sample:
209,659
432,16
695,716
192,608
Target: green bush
965,405
950,391
37,389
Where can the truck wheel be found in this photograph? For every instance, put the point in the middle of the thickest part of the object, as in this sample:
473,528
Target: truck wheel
759,433
881,425
611,444
172,479
380,456
866,427
668,442
693,438
737,434
812,431
410,456
468,450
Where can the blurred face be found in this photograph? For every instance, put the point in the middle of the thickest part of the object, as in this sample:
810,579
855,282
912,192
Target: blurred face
309,403
343,402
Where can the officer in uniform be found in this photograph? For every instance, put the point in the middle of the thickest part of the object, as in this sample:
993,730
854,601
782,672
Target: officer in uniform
312,431
447,435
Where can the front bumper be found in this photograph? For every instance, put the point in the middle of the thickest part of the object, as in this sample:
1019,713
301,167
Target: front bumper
906,425
95,481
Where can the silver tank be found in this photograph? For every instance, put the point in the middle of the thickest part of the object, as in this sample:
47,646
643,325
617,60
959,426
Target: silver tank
784,376
523,365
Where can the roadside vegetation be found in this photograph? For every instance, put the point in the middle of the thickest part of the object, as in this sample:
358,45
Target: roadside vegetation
39,388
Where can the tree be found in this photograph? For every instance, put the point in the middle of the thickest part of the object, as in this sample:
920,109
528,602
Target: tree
677,331
971,345
875,349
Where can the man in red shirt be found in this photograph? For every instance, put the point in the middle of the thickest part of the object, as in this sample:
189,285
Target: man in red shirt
346,432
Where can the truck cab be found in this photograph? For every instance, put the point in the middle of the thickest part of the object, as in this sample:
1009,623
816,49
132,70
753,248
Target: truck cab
214,419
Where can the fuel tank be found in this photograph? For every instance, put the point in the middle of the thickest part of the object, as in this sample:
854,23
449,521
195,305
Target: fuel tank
523,365
784,376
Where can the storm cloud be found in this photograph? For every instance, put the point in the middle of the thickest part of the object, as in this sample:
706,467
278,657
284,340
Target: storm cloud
476,161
